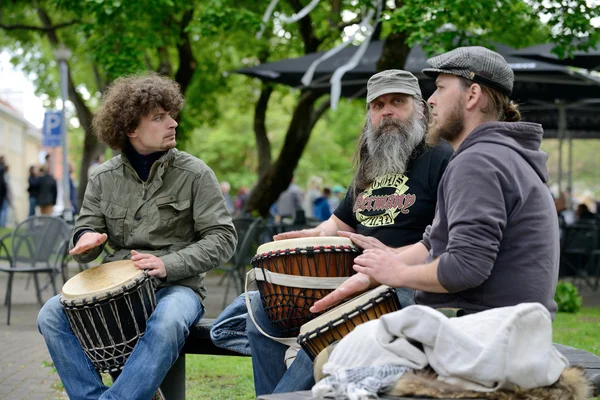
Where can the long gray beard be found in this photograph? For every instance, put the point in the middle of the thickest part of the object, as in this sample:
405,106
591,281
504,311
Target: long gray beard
390,145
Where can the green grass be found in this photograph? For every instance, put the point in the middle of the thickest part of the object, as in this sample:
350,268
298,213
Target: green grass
219,377
581,330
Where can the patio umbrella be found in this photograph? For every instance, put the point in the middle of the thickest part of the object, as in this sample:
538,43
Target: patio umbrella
534,80
589,59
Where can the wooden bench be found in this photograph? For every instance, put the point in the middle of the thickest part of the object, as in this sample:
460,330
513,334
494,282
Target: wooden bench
199,342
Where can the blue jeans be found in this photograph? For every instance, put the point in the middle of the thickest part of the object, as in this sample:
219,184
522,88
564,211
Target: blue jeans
32,204
229,329
177,309
270,373
3,213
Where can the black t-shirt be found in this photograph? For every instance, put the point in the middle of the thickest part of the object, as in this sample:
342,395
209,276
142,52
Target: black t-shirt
397,208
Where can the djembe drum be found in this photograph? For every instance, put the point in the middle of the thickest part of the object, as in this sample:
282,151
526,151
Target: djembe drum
332,326
108,307
293,274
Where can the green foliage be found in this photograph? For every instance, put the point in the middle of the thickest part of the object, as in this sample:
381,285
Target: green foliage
586,175
230,149
567,298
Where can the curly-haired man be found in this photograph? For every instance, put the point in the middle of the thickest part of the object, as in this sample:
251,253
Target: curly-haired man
161,208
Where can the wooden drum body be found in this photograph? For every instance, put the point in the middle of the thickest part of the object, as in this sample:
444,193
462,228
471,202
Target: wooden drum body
293,274
332,326
108,307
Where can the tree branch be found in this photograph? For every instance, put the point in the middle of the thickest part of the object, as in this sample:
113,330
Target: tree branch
187,61
39,28
318,113
311,42
165,67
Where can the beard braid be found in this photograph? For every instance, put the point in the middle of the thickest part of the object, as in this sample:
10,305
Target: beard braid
390,145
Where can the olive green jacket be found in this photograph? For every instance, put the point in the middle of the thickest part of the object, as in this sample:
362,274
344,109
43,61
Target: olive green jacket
178,214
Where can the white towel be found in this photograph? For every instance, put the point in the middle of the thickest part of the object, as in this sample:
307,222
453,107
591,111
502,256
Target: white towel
486,351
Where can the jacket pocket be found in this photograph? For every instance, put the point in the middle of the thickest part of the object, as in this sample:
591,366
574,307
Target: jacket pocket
176,217
114,215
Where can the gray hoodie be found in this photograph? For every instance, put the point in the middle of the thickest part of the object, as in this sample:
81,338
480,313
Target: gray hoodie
495,229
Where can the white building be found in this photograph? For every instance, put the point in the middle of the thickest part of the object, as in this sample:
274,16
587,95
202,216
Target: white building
20,144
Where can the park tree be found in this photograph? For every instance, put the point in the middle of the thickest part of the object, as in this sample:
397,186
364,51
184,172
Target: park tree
109,39
196,41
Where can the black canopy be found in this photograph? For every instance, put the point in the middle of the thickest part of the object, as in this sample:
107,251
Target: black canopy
534,80
589,59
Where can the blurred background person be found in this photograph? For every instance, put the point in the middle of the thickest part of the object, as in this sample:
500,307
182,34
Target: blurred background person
240,200
72,191
225,189
7,196
313,192
48,191
321,208
337,196
3,188
95,164
289,202
33,189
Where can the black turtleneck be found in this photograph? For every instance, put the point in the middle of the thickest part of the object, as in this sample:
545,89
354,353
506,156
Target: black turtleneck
142,163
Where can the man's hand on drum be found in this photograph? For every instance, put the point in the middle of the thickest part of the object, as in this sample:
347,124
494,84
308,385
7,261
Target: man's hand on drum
352,286
364,242
154,265
381,266
88,241
300,234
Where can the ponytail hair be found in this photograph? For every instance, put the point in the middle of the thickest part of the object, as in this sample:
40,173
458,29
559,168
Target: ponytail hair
511,112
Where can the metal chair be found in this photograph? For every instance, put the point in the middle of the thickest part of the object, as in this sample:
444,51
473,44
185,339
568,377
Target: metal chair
579,253
248,230
37,245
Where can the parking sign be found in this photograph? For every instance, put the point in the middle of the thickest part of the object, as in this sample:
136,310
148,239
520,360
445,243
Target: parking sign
52,129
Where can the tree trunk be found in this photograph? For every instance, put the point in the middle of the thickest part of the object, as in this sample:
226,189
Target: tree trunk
279,175
263,145
394,52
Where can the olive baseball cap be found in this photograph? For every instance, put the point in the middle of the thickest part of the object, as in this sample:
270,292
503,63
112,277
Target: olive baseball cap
392,81
475,63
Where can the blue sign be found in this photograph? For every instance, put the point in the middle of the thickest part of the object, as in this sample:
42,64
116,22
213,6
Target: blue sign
52,129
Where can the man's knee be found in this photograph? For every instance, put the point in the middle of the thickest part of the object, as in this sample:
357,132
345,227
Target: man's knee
51,314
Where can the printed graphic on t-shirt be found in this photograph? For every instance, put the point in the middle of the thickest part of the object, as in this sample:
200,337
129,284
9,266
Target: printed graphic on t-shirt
383,201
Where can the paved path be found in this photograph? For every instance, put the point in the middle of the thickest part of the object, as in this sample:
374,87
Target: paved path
23,353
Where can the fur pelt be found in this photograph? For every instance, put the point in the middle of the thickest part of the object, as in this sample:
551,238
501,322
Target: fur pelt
572,385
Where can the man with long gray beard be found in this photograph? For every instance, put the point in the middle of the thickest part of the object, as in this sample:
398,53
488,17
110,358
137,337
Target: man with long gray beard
390,202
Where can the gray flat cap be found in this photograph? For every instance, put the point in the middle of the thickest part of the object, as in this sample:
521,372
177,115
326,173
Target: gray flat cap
476,63
392,81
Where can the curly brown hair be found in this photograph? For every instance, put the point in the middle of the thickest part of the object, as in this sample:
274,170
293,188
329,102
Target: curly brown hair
130,98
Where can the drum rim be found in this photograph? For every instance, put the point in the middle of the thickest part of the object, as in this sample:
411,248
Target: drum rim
305,242
137,280
93,298
382,291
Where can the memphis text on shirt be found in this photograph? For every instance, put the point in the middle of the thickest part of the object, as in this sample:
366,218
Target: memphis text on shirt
383,208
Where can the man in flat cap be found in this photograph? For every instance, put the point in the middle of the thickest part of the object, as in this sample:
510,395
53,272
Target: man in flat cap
494,239
390,201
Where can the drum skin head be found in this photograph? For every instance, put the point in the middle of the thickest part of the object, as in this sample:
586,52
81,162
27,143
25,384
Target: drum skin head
304,242
97,281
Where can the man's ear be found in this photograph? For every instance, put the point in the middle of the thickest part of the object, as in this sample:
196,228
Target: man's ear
474,96
132,134
421,109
